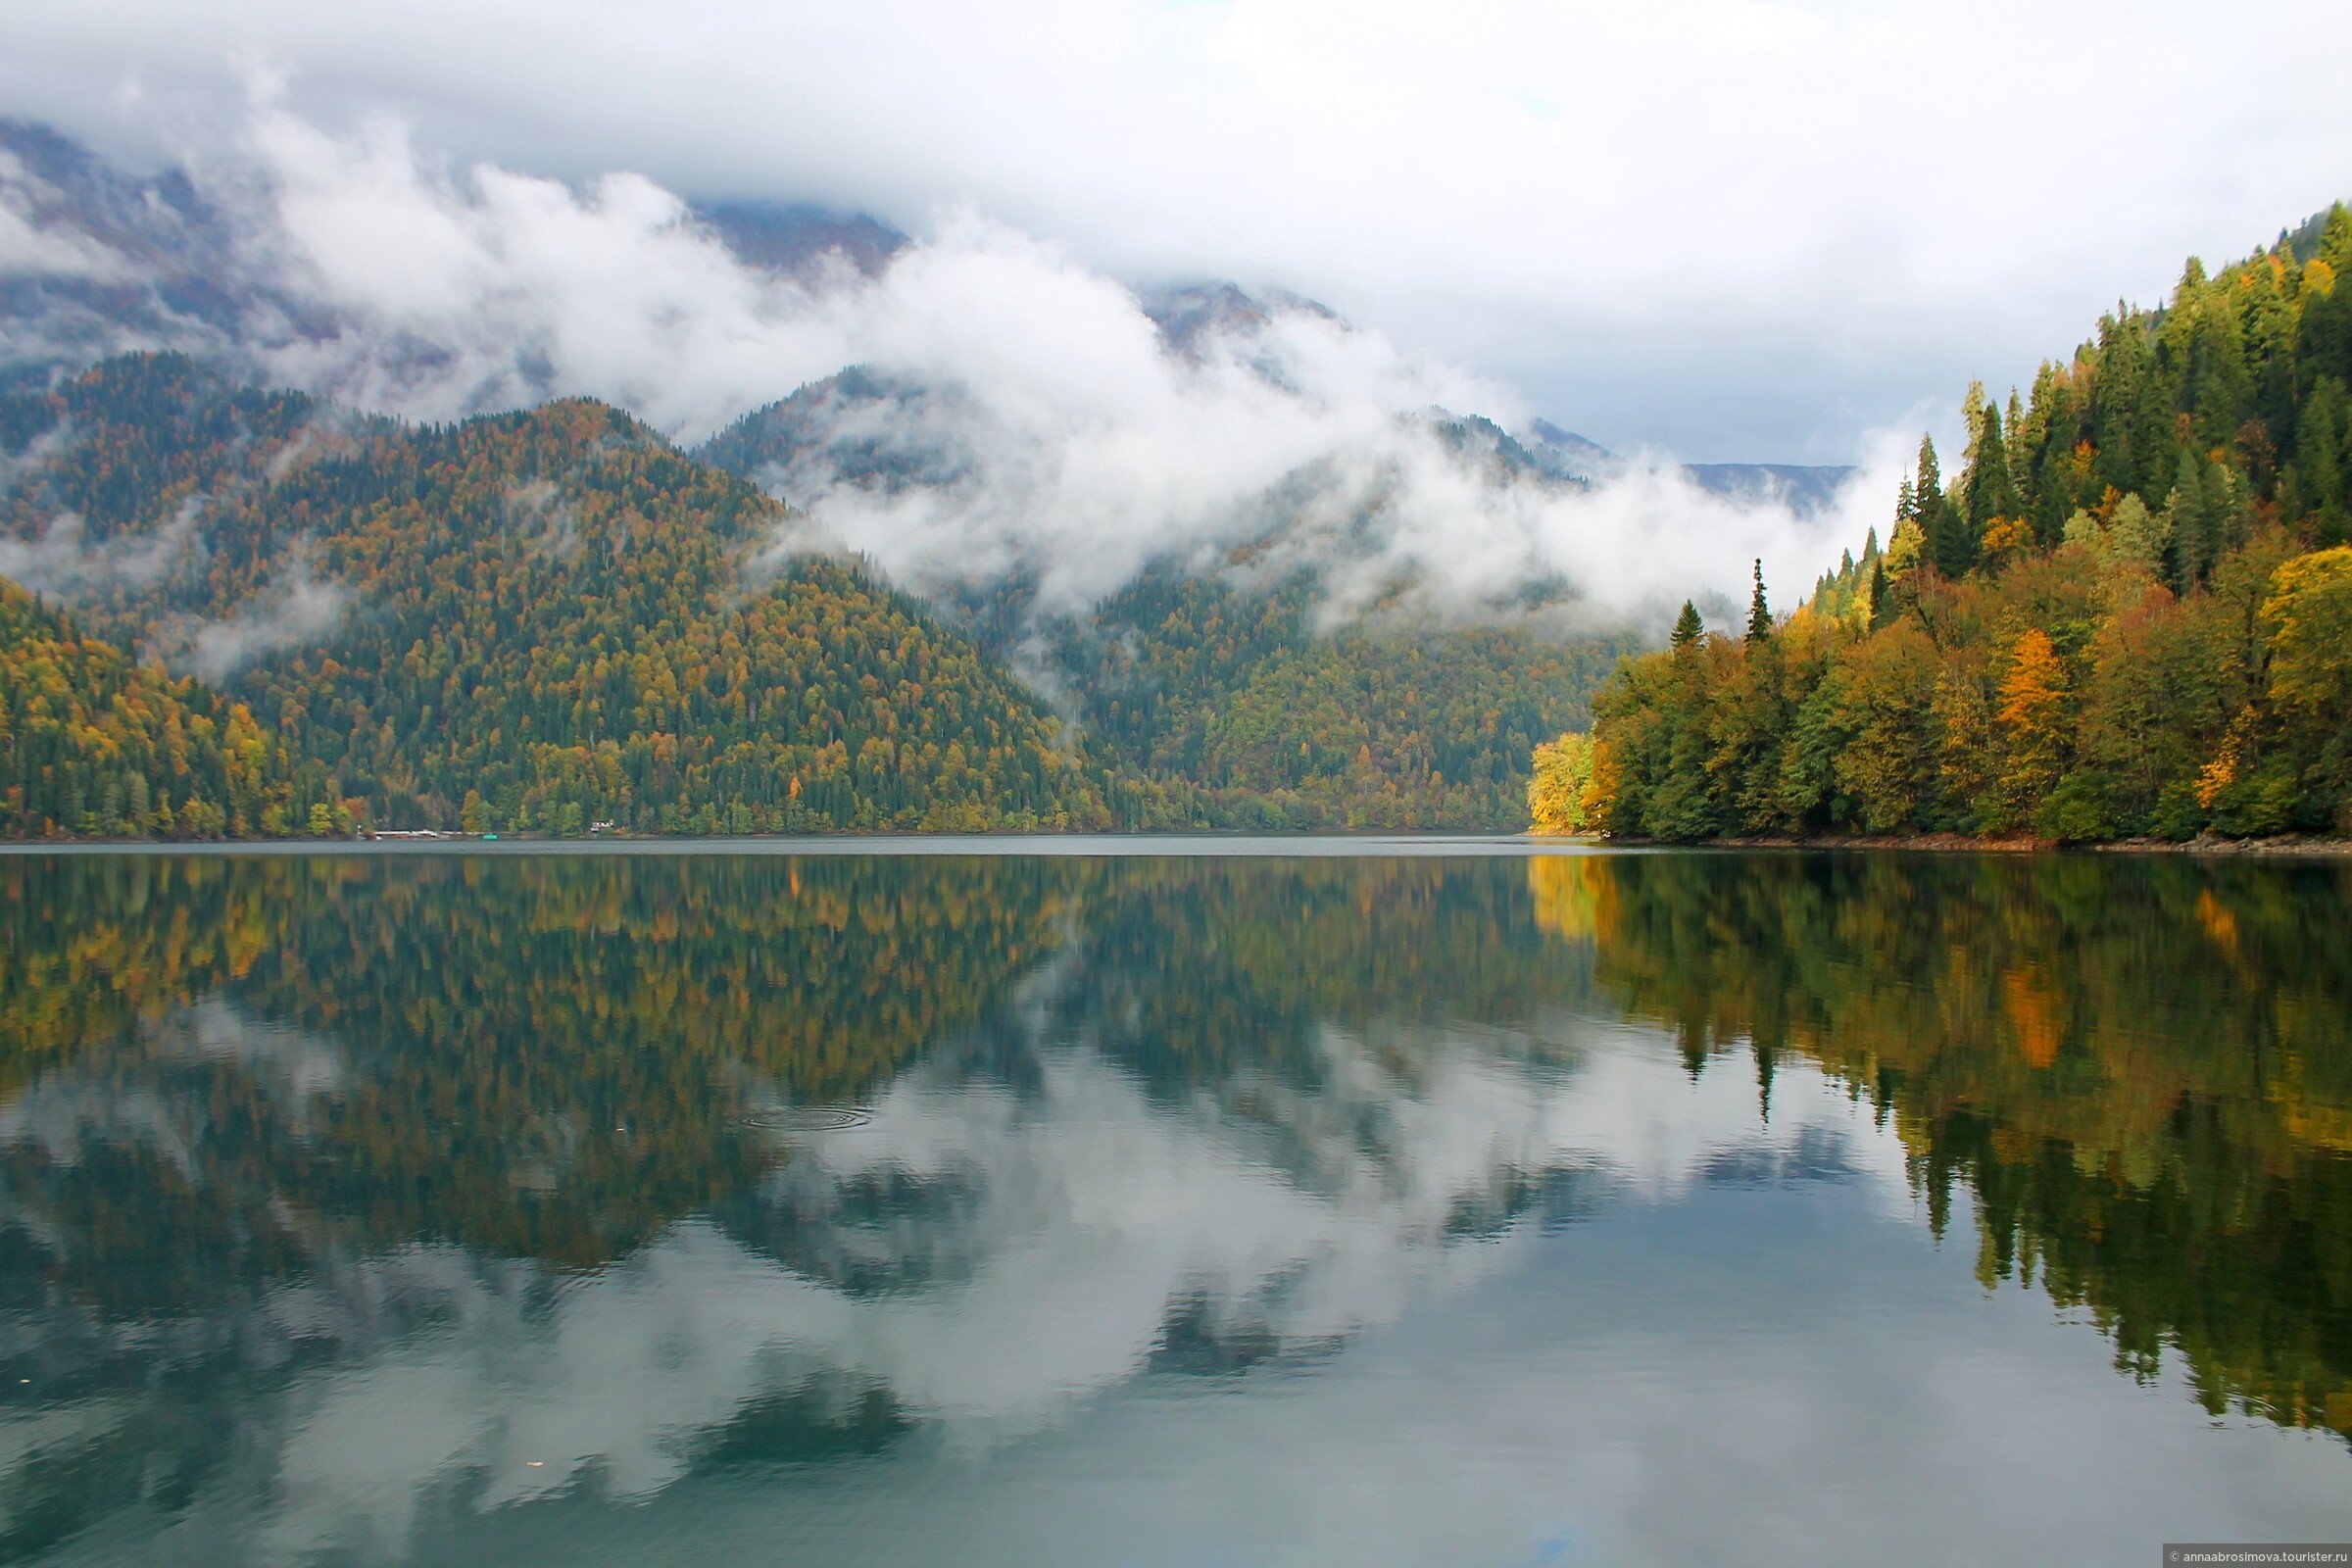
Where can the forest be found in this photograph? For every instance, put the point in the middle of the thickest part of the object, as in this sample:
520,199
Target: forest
554,622
1232,695
95,743
2127,614
1217,680
540,621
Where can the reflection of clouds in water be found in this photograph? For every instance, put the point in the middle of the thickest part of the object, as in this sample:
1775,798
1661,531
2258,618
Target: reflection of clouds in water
59,1110
1083,1215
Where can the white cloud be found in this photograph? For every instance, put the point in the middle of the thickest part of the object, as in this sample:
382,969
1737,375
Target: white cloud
1077,446
1746,230
298,609
59,561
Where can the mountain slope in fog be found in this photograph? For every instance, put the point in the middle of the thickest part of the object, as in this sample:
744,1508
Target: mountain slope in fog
1225,666
531,621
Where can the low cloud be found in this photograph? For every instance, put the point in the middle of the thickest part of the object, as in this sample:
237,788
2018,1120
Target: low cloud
62,562
299,609
1050,429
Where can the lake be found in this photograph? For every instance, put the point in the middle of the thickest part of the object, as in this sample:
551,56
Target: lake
1241,1204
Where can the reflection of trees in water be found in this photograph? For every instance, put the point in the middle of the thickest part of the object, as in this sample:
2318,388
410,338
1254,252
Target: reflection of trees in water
2142,1069
545,1058
239,1089
550,1058
1191,968
299,1109
1297,1004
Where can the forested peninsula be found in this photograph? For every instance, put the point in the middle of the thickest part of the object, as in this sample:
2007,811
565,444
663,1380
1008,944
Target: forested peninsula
2128,613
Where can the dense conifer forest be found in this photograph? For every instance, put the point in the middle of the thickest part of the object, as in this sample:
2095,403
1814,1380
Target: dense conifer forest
2128,611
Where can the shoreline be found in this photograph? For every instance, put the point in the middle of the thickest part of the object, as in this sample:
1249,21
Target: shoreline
2281,846
1040,845
1174,843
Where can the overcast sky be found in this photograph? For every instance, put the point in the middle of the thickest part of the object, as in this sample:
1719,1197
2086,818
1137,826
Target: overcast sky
1737,230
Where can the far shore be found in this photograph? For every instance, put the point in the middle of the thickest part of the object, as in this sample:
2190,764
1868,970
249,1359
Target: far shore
1178,842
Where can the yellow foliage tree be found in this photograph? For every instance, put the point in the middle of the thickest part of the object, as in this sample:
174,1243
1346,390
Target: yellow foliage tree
1555,794
2032,723
2311,653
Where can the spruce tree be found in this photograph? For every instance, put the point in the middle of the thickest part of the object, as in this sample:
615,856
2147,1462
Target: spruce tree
1949,544
1991,489
1759,615
1688,628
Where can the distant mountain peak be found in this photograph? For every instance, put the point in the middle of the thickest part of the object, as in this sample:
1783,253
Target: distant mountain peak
794,238
1190,314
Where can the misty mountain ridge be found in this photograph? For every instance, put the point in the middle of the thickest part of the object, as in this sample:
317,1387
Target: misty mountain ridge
1247,558
548,618
1806,489
95,261
542,620
245,262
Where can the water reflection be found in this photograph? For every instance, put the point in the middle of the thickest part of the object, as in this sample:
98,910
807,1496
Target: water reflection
2141,1071
346,1200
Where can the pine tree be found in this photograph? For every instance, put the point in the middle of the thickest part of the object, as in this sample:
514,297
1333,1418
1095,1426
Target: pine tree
1759,614
1688,628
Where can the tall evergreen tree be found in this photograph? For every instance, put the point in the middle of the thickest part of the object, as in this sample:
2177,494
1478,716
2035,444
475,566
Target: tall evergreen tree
1759,614
1688,628
1992,490
1950,542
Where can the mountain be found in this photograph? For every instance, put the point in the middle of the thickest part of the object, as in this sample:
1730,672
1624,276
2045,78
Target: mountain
1805,490
96,260
2128,612
100,261
1217,671
1228,686
800,238
532,620
1301,647
554,619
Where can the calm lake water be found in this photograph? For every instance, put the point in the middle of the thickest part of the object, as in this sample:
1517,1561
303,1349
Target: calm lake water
1364,1207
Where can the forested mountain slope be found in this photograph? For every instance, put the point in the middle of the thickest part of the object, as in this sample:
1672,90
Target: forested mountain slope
532,620
91,743
2128,612
1215,676
1232,688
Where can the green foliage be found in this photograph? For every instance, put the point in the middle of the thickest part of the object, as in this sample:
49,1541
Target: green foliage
1759,614
1226,696
548,621
2127,615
